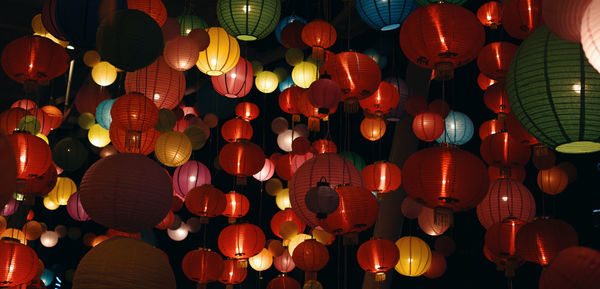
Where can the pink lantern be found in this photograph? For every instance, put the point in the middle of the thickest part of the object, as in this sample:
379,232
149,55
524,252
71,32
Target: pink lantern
10,208
325,94
590,36
284,262
427,224
181,53
158,82
563,18
190,175
266,172
75,209
237,82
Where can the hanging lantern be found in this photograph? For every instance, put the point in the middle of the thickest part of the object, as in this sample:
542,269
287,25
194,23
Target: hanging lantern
189,23
154,8
459,129
490,14
102,113
496,98
60,194
521,17
385,15
382,177
248,20
573,267
190,175
173,149
543,158
237,82
382,101
283,282
325,94
313,113
284,22
517,130
236,129
284,263
322,199
357,75
377,256
414,256
310,256
10,119
494,59
440,107
372,128
490,127
564,18
428,126
358,211
205,201
266,172
304,74
21,263
221,55
324,146
484,82
500,238
241,241
247,111
411,208
266,81
516,173
241,158
202,266
75,208
90,95
553,180
38,186
131,143
181,53
288,99
262,261
134,113
427,223
437,267
159,82
236,206
319,35
232,273
541,240
502,150
506,198
283,216
32,154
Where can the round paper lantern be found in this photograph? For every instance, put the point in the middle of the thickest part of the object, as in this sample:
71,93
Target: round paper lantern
304,74
54,114
173,149
236,205
126,192
322,199
414,256
181,53
237,82
26,104
282,199
98,136
428,126
283,282
459,129
49,239
202,266
233,273
318,34
190,22
32,230
103,116
521,17
131,143
21,263
357,74
543,158
496,98
205,201
248,20
484,82
324,94
221,55
445,177
154,8
283,216
262,261
236,129
284,263
490,14
564,18
266,81
428,225
190,175
134,113
242,158
440,107
310,256
34,59
32,155
500,238
121,260
494,59
506,198
266,172
541,240
284,22
324,146
553,180
382,177
38,186
63,190
382,101
385,15
69,154
502,150
15,235
411,208
288,99
372,128
159,82
241,241
10,119
377,256
437,267
104,74
574,267
129,39
442,36
75,208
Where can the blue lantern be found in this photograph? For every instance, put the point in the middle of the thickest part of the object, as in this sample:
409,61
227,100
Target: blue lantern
285,21
459,129
385,15
103,113
377,57
286,83
47,277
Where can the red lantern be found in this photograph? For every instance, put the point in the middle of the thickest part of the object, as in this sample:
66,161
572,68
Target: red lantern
166,222
19,263
241,241
283,166
181,53
575,267
382,101
55,115
283,282
502,150
236,205
143,143
378,256
358,75
247,110
313,113
301,145
516,173
9,120
310,256
500,238
440,107
32,155
490,14
372,128
34,59
437,268
484,82
291,35
506,198
382,177
541,240
319,35
159,82
154,8
288,99
441,36
357,211
516,130
324,94
553,180
205,201
284,263
324,146
496,98
428,126
494,59
521,17
42,185
89,96
202,266
134,113
490,127
236,129
237,82
26,104
286,216
233,273
241,158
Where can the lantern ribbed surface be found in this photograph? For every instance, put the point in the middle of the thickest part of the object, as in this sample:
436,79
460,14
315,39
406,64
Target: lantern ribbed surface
19,263
564,18
236,129
310,256
242,158
382,101
428,126
159,82
241,241
124,142
506,198
154,8
378,255
415,256
459,129
541,240
38,186
10,118
494,59
521,17
237,82
500,237
32,155
221,55
205,201
103,116
490,14
385,15
552,181
575,267
285,216
181,53
202,266
319,33
358,211
382,177
190,175
233,273
134,112
358,75
173,149
503,150
248,20
75,208
236,205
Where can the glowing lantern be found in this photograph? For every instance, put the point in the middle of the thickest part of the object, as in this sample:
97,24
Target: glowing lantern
50,205
181,53
500,238
75,208
428,225
372,128
484,82
190,175
414,256
310,256
283,216
506,198
490,14
134,113
377,256
325,94
553,180
104,73
382,101
158,82
319,35
282,199
262,261
241,241
541,240
382,177
266,81
521,17
21,263
428,126
221,55
102,112
202,266
564,18
574,267
266,172
248,20
494,59
357,75
502,150
205,201
98,136
173,149
236,206
459,129
32,154
49,239
237,82
304,74
385,15
242,158
233,273
496,98
63,190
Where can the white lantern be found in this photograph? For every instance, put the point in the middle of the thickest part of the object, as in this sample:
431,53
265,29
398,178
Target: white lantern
49,239
178,234
262,261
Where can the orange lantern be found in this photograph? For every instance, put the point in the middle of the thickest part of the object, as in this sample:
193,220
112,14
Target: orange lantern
241,241
205,201
553,180
242,158
382,177
310,256
490,14
236,129
382,101
232,273
378,256
372,128
319,35
32,155
502,150
202,266
496,98
247,111
19,263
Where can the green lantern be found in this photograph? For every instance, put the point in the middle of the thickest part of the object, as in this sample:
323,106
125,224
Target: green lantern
190,22
249,20
69,154
427,2
355,159
555,93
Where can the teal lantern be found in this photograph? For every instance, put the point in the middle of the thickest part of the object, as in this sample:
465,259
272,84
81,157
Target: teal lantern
385,15
189,22
355,159
103,113
287,83
555,93
459,129
248,20
455,2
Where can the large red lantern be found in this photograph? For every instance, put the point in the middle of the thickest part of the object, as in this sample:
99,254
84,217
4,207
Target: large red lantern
237,82
521,17
494,59
382,177
288,99
441,36
233,273
236,206
490,14
236,129
205,201
242,158
378,256
19,263
241,241
34,59
247,110
506,198
358,75
286,215
324,94
319,35
500,238
541,240
154,8
202,266
10,118
181,53
575,267
502,150
496,98
32,155
143,143
382,101
357,211
283,282
159,82
310,256
89,96
134,113
428,126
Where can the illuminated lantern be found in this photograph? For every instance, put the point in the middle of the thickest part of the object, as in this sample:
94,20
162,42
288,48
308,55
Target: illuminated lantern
541,240
98,136
516,173
494,59
262,261
283,282
132,143
205,201
190,22
521,17
411,208
357,211
322,199
247,111
324,94
114,261
126,192
459,129
173,149
75,208
490,14
221,55
26,104
496,98
9,120
553,180
382,177
314,114
232,273
324,146
54,114
32,154
63,190
428,126
441,36
502,150
283,216
102,112
377,256
241,241
50,205
304,74
242,158
181,53
266,172
202,266
134,113
484,82
372,128
236,129
158,82
266,81
310,256
437,267
506,198
428,225
385,15
284,263
21,263
575,267
236,206
357,75
248,20
283,166
190,175
414,256
237,82
104,74
34,59
564,18
288,99
49,239
319,35
500,238
154,8
282,199
382,101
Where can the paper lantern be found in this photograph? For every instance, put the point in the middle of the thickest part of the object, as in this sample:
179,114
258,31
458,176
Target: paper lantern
124,142
202,266
237,82
284,22
126,192
288,99
575,267
69,154
357,74
484,82
98,136
372,128
506,198
262,261
304,74
490,14
283,282
324,94
310,256
181,53
437,267
241,158
324,146
411,208
221,55
266,172
502,150
494,59
190,22
564,18
121,260
75,208
21,263
154,8
104,73
284,263
49,19
541,240
32,230
236,129
428,224
31,153
543,158
382,101
241,241
459,129
294,56
322,199
236,205
134,113
283,216
233,273
496,98
190,175
428,126
248,20
553,180
173,149
91,58
414,256
266,81
54,114
386,15
382,177
318,34
205,201
377,256
60,194
10,207
282,199
9,120
49,239
159,82
500,238
521,17
102,112
291,34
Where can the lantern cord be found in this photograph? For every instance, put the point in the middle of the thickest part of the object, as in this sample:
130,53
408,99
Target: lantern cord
204,235
345,267
339,256
349,23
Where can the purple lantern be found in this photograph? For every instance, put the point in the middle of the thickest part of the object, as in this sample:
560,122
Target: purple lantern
188,176
75,209
10,208
322,199
402,87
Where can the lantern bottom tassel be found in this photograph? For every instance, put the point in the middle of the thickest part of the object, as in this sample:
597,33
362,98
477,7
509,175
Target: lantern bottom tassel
314,124
443,216
351,105
242,263
380,276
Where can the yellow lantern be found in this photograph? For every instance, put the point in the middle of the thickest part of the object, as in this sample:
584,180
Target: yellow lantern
288,230
61,192
322,236
415,256
257,67
282,199
91,58
86,120
266,81
104,73
222,53
294,242
40,30
173,149
45,138
273,187
13,233
49,204
98,136
304,74
262,261
294,56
